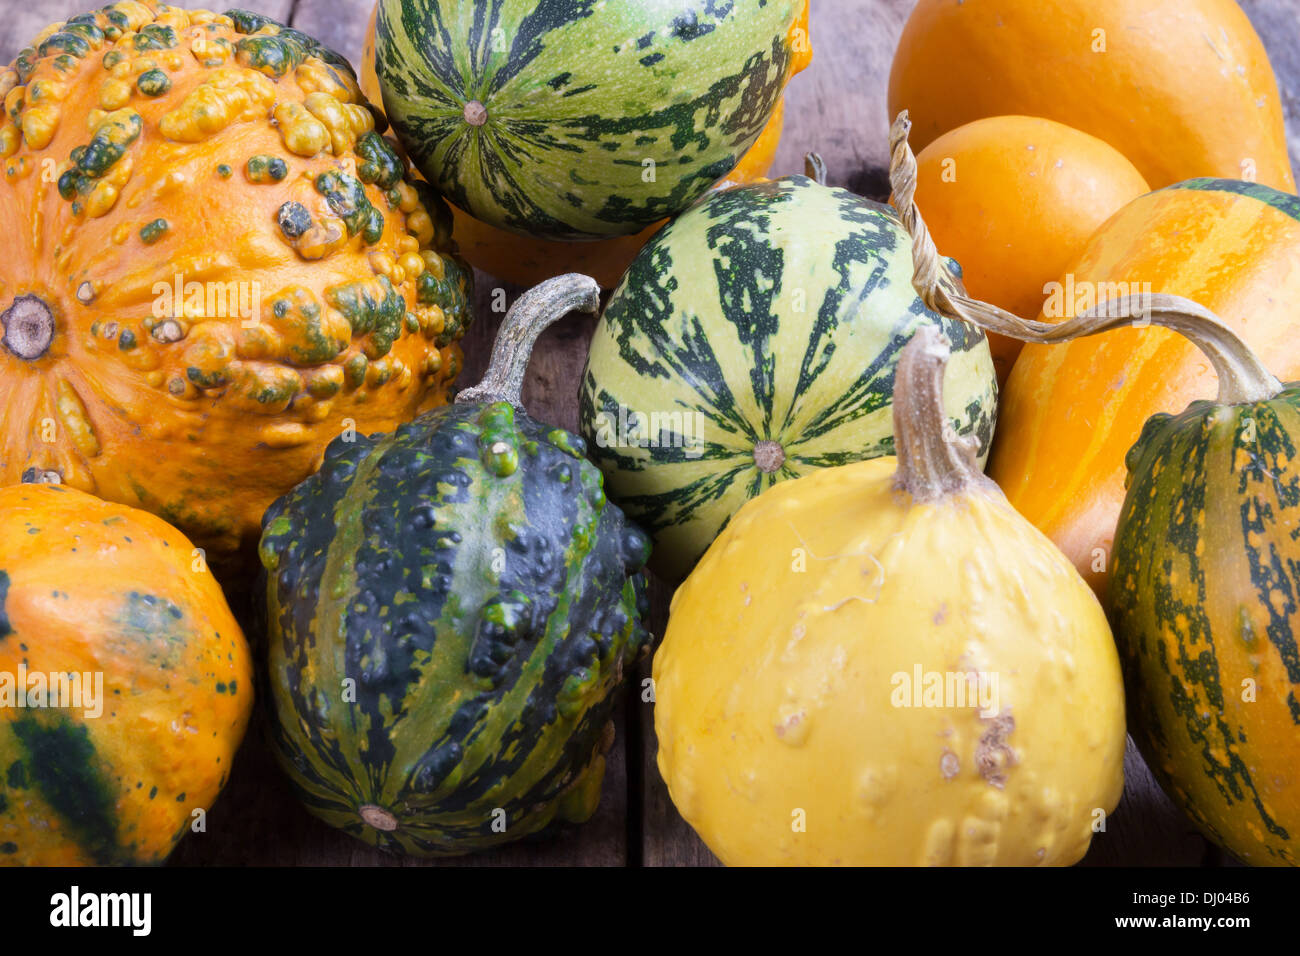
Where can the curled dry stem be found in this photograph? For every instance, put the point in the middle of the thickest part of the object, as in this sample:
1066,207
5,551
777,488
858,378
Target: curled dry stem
1242,377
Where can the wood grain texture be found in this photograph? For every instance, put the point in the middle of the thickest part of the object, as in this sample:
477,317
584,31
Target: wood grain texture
836,107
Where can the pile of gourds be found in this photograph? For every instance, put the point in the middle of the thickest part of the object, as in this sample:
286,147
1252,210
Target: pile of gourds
232,310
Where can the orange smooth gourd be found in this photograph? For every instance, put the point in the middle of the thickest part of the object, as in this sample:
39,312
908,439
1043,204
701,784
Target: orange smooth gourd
525,260
1014,199
1071,412
1182,87
115,775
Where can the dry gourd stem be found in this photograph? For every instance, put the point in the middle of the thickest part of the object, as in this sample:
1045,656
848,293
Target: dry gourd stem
1242,378
933,462
28,327
814,167
532,313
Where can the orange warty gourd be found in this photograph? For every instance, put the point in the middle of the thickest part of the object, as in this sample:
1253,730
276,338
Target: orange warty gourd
215,265
1014,199
111,769
1183,88
525,260
1071,412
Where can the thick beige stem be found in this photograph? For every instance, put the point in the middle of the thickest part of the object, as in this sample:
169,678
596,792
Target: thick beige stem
814,167
532,313
1242,377
933,462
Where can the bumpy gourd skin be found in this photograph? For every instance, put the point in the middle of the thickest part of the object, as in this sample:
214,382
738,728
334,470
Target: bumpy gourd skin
468,580
92,586
142,142
1203,596
774,685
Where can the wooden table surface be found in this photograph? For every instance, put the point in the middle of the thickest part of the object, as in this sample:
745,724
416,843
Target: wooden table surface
836,107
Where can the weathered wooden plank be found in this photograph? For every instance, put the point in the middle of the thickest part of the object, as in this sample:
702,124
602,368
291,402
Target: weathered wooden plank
1146,829
837,105
340,26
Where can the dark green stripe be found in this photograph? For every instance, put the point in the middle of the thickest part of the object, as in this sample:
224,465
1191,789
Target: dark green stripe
60,763
1173,487
1283,202
561,607
5,627
694,115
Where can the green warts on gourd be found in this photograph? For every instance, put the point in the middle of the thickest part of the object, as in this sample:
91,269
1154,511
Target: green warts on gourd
380,163
265,169
151,232
498,439
137,61
147,112
99,169
468,575
347,199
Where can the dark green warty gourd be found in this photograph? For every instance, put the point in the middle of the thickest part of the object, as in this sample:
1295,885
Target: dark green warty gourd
451,609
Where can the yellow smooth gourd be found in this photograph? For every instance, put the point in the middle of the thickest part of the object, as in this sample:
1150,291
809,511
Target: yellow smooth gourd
782,735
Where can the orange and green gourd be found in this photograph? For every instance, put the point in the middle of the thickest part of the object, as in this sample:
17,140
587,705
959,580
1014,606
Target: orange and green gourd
1203,595
118,774
216,264
1070,412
